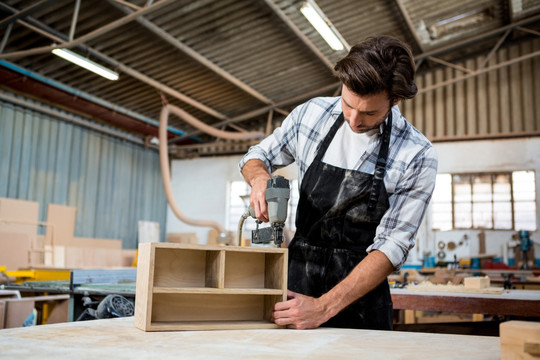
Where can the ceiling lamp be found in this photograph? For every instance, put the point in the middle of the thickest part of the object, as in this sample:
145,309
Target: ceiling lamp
86,63
323,26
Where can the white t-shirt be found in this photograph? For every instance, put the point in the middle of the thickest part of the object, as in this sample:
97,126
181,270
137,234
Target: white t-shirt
347,147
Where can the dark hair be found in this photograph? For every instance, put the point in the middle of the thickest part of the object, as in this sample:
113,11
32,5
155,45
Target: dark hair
379,63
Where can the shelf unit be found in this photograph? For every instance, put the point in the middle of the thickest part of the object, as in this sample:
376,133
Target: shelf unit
199,287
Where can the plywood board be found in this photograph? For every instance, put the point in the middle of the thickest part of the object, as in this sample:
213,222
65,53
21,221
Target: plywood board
62,219
128,257
97,243
14,250
182,238
17,310
19,216
87,253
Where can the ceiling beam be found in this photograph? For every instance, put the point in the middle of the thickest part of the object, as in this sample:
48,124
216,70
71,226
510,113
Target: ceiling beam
276,9
472,39
57,36
252,114
199,58
24,13
405,14
91,35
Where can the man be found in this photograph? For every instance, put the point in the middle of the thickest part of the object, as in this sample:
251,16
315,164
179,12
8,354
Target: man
366,176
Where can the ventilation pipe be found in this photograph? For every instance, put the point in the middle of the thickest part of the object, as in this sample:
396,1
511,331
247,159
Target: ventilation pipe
164,160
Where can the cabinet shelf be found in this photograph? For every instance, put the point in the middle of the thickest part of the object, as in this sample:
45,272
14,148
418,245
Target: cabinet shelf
184,290
197,287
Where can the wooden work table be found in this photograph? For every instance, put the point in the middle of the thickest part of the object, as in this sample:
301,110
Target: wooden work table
510,302
119,339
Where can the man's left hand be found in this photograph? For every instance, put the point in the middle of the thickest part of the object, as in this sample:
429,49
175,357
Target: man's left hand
300,312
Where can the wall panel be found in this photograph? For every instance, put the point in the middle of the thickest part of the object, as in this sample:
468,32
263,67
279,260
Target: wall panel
499,102
113,183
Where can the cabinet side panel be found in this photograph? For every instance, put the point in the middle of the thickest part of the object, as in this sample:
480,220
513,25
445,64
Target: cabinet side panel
143,290
269,302
273,278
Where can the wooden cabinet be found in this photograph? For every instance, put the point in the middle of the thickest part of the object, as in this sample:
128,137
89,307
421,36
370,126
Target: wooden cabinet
198,287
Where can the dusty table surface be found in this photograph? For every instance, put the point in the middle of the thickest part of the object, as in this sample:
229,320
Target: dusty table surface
119,339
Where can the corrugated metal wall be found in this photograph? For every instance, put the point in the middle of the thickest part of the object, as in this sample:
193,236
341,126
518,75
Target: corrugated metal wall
113,183
501,102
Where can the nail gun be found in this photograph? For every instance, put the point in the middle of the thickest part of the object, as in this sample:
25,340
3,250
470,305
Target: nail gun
277,195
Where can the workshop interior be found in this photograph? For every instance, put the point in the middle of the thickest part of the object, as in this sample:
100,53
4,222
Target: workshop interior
123,209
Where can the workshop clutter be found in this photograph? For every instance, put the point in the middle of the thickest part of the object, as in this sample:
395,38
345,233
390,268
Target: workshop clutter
22,245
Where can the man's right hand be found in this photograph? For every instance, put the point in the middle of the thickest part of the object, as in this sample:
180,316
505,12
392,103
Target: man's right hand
256,174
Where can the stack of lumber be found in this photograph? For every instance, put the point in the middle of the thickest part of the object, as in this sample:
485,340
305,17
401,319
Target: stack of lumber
22,247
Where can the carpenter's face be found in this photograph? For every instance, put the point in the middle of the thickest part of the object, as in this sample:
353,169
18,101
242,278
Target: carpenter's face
364,113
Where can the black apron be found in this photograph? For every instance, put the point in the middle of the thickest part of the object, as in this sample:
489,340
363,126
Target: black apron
338,213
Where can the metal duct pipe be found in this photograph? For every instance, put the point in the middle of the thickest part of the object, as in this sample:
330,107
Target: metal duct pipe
164,158
190,119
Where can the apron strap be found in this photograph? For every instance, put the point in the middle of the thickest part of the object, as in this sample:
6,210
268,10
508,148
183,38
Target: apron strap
328,139
380,167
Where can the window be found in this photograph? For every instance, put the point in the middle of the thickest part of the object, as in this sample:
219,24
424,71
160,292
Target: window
501,201
239,201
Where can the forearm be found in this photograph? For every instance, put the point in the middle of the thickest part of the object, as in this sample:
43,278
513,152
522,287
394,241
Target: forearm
255,170
369,273
256,175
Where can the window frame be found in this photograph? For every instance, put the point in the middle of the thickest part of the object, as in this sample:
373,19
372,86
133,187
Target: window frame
492,175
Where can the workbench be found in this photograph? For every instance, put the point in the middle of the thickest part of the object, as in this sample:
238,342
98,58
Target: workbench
524,303
119,339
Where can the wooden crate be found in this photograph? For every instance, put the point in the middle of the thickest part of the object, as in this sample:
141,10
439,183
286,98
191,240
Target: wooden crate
200,287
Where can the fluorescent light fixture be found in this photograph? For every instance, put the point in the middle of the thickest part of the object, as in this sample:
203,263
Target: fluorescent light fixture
85,63
323,26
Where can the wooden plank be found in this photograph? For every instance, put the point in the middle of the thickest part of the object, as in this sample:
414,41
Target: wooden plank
118,338
520,340
14,250
454,288
512,303
145,284
63,220
476,282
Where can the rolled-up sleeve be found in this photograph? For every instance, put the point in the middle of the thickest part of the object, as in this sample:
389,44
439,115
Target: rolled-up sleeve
276,150
396,233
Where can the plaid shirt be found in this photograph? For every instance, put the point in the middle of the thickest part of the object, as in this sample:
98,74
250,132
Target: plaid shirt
410,171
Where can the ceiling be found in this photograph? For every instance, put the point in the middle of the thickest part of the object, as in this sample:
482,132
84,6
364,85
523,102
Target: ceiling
236,65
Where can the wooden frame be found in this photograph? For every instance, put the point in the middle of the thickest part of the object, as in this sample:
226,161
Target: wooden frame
199,287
